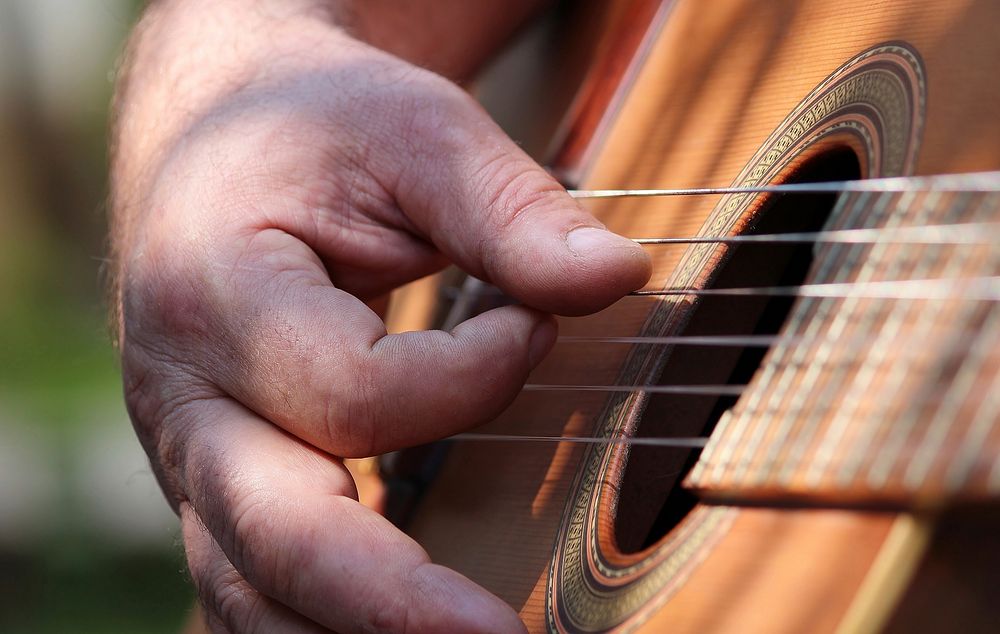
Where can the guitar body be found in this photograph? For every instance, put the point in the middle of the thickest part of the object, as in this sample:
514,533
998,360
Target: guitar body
851,485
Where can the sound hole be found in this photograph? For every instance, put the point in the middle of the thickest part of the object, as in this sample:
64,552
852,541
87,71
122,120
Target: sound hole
651,501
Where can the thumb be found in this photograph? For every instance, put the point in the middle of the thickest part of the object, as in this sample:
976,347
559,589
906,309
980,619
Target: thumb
490,208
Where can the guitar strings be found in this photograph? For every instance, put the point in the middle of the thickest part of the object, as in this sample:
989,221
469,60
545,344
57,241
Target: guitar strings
965,288
985,288
974,288
692,442
720,341
938,234
959,182
683,390
725,341
958,233
749,341
676,442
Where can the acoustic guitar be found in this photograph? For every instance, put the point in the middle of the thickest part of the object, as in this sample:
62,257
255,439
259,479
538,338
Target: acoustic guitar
796,427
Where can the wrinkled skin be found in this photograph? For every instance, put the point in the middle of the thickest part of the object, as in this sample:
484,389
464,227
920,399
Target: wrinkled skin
273,179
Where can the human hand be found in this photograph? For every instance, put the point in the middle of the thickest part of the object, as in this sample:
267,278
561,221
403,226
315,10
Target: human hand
268,194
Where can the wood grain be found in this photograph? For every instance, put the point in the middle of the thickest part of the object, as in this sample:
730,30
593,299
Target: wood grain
716,82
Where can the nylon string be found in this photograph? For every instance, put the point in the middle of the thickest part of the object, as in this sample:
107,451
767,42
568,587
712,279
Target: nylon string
968,288
959,182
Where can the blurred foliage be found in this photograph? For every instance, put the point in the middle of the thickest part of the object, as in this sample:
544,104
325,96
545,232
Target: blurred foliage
94,591
58,370
57,356
53,340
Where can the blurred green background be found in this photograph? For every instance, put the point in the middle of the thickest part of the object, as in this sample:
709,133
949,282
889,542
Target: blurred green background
87,543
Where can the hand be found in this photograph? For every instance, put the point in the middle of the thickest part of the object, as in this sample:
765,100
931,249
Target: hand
268,192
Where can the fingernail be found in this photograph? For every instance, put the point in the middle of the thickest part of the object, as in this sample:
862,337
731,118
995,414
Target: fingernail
586,241
542,340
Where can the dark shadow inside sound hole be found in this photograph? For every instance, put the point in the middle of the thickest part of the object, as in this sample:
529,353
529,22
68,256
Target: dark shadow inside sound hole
651,501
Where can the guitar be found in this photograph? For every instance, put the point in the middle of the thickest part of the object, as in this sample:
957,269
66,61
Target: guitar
816,450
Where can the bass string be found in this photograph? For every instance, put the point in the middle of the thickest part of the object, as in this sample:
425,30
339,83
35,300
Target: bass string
677,442
722,341
958,233
982,288
689,390
910,354
691,442
674,442
985,288
850,344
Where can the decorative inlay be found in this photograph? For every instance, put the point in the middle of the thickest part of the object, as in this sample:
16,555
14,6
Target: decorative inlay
877,99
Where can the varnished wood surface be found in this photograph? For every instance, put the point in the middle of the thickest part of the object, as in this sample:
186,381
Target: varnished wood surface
813,560
622,35
720,78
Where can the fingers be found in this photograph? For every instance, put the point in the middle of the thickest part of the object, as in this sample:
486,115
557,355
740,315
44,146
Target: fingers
495,212
410,161
231,604
302,550
317,361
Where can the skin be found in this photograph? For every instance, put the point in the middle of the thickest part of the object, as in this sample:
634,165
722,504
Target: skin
278,168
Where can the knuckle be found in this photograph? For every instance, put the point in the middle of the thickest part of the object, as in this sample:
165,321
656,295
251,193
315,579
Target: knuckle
273,554
512,186
159,400
390,617
212,622
267,547
399,612
512,189
223,594
263,534
350,411
247,517
237,606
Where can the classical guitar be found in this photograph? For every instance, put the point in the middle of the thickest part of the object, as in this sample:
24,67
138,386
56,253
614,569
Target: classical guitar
796,426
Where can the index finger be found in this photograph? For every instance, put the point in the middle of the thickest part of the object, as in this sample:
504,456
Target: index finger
316,361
